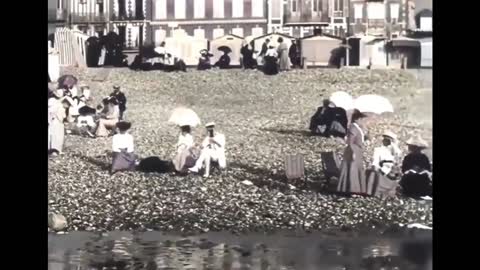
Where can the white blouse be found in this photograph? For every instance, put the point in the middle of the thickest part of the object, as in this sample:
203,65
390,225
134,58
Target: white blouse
385,153
184,141
219,138
122,141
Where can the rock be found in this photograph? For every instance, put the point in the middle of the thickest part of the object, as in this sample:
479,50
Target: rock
57,222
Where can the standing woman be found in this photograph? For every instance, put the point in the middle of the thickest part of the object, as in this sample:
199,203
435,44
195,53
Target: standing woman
109,120
56,129
283,55
352,175
186,153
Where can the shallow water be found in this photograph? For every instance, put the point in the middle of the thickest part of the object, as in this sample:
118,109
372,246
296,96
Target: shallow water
154,250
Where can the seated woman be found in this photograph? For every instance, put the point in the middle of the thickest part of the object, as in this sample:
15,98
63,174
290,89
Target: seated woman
204,60
85,125
187,154
329,121
123,147
271,66
223,62
108,120
380,178
417,177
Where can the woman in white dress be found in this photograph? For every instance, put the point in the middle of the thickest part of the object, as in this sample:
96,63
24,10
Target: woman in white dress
123,147
57,106
384,169
187,153
108,121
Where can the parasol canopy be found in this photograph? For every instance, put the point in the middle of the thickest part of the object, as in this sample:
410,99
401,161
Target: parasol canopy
67,80
373,104
225,49
342,99
184,117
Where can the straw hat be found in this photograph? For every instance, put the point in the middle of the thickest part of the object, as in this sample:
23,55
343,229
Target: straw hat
210,124
390,134
418,142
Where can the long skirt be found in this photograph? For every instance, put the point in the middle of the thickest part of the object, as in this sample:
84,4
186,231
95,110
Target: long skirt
352,175
104,125
56,136
284,62
416,185
379,185
185,159
270,67
123,161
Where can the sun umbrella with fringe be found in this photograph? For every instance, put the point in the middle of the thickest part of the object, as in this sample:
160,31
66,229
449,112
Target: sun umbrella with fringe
342,99
373,104
184,117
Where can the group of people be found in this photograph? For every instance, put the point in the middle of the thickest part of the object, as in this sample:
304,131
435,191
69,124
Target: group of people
73,111
387,171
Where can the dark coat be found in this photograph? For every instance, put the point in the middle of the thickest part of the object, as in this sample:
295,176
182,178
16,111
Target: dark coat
248,61
122,100
223,62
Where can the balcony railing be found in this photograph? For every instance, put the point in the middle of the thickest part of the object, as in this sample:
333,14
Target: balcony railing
57,15
127,17
88,18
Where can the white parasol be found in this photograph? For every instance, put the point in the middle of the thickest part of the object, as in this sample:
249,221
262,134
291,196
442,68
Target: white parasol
184,117
373,104
342,99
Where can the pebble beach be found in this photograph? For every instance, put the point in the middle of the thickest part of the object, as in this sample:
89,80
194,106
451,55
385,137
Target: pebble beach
263,118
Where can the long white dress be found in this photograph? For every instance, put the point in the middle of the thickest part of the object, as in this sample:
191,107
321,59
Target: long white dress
186,153
56,128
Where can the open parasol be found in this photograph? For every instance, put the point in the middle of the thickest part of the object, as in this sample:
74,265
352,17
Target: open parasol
67,80
184,117
225,49
342,99
373,104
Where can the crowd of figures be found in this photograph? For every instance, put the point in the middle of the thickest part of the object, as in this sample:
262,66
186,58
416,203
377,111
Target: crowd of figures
387,171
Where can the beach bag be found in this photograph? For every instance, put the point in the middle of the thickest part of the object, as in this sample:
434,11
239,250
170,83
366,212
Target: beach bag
294,166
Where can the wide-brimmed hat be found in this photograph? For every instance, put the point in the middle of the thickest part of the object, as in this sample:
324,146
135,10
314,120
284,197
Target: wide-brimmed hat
124,125
86,110
116,87
209,124
417,141
390,135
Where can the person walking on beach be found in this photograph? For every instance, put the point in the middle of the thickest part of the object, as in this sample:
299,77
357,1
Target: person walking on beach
121,99
213,149
284,62
352,175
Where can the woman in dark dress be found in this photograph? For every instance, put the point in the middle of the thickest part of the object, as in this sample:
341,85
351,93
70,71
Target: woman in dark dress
416,169
352,174
270,66
247,56
294,54
223,62
204,60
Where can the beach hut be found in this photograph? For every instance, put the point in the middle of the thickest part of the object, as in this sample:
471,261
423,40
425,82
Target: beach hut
234,42
320,50
185,47
426,55
367,51
403,52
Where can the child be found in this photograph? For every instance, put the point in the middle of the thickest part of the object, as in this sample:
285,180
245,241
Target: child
122,146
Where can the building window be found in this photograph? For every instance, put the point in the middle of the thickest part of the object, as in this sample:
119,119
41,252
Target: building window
218,32
257,8
218,9
376,11
257,31
199,33
317,6
180,9
199,9
237,8
160,36
83,2
358,11
294,7
394,12
337,8
161,9
237,31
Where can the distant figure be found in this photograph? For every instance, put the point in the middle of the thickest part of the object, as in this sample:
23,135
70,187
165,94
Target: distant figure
270,66
187,154
204,60
121,99
282,49
224,61
329,121
352,174
294,54
122,147
57,114
385,167
213,149
247,56
416,168
264,50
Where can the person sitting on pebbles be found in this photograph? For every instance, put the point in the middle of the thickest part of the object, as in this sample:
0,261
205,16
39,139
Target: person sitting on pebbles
121,99
187,153
416,168
109,120
123,147
212,149
385,167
